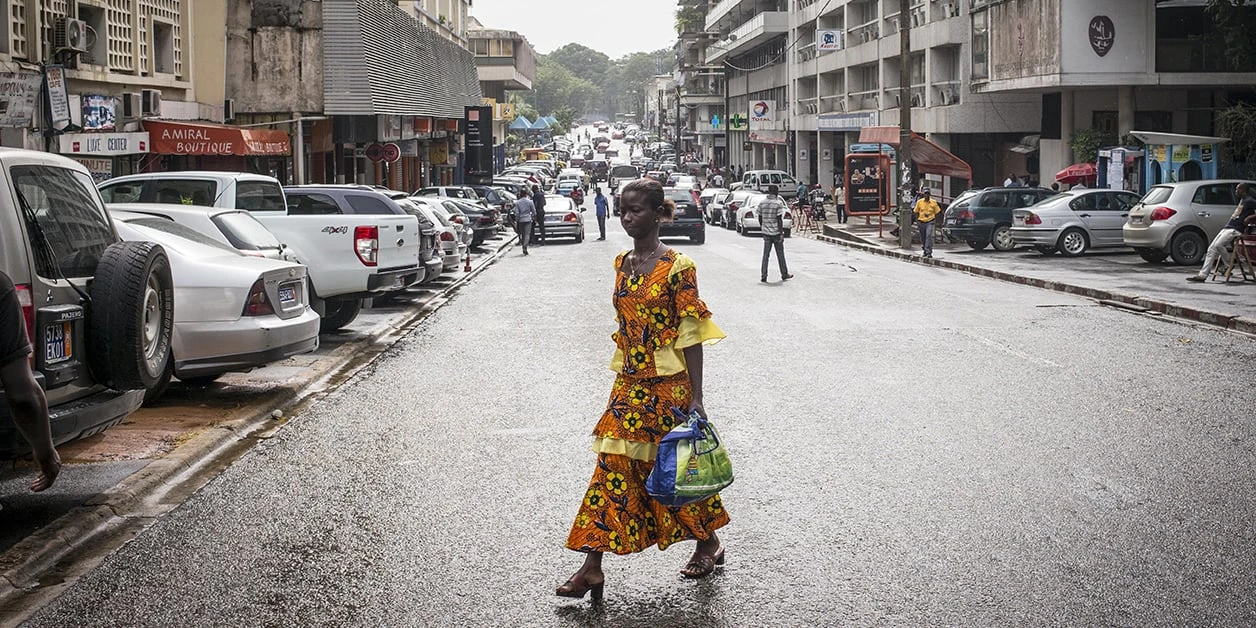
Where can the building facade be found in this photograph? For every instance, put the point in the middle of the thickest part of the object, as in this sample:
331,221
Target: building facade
505,62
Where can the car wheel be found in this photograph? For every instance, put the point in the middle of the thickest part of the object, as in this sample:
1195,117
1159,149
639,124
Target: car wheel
132,316
580,236
1072,242
477,239
698,239
154,392
1155,256
1002,238
338,314
1187,248
977,245
1045,250
200,380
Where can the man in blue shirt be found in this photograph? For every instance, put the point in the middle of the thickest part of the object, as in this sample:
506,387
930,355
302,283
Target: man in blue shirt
599,201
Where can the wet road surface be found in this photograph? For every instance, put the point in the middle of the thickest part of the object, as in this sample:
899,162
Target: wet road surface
912,445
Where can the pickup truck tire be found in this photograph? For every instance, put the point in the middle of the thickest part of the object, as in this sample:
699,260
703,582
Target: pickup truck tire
153,393
339,313
132,316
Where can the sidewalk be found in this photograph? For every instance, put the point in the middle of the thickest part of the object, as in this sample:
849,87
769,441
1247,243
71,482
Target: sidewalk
1116,277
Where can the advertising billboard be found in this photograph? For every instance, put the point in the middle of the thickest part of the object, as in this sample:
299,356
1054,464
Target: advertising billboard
867,184
478,165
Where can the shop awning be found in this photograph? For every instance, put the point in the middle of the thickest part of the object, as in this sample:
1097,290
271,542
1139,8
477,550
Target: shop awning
928,157
520,124
198,138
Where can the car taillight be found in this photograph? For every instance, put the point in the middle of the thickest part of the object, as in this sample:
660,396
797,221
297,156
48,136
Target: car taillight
258,304
1162,213
733,206
28,310
460,219
1033,219
965,214
366,244
447,236
749,214
570,217
787,216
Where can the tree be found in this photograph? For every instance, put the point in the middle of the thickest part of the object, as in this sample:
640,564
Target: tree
1235,22
1087,142
556,87
690,19
582,61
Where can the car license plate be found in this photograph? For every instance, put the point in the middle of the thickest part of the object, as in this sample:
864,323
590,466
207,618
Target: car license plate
287,294
1136,220
58,342
951,221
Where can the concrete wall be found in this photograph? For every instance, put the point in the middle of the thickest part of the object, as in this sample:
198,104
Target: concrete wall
275,50
1133,43
209,45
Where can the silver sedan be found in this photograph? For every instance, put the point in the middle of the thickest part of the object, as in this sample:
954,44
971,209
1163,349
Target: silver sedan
563,219
1074,222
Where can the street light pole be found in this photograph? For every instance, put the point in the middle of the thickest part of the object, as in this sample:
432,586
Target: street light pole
904,133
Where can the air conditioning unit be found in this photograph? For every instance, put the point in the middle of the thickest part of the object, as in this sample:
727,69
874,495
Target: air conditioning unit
952,9
948,96
917,100
841,104
898,99
150,102
130,105
69,34
228,109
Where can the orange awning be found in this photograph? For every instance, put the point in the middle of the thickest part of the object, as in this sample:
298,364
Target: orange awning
928,157
197,138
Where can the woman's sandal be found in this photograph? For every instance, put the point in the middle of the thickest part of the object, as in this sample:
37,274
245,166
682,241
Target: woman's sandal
571,589
701,566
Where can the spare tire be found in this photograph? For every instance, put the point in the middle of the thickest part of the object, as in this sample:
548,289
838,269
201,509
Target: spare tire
131,317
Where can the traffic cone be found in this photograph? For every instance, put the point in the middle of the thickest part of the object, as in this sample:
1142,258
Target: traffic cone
467,267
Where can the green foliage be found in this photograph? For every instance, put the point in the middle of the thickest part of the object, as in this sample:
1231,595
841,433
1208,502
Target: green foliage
1087,142
565,116
586,80
582,61
1238,122
690,19
1235,22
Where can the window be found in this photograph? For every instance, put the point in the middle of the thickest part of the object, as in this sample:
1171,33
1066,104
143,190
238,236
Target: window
480,47
313,205
62,205
1217,194
122,192
163,47
187,233
244,232
981,45
1125,201
264,196
363,204
995,199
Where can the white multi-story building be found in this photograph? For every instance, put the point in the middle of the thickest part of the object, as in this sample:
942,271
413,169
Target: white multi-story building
1002,84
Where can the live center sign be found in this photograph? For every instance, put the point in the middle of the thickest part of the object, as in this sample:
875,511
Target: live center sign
104,144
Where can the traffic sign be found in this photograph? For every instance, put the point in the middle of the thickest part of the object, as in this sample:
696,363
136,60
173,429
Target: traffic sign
375,152
392,152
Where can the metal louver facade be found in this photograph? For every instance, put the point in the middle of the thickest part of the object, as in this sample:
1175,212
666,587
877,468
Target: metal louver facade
379,60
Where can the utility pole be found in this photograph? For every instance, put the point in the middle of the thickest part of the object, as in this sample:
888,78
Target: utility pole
904,134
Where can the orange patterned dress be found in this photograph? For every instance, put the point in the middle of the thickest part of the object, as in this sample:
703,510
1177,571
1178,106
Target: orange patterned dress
659,315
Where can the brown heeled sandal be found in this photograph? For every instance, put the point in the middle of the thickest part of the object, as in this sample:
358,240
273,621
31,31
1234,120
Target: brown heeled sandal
570,589
702,566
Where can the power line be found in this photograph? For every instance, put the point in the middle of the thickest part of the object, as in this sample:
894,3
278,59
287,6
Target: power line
784,50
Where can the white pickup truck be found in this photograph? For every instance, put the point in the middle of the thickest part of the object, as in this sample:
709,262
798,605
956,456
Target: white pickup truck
349,256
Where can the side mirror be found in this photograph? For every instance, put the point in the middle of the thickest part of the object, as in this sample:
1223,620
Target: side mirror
584,209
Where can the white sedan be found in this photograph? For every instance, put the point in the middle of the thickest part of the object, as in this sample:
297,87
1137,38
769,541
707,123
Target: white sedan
232,312
748,216
236,228
450,235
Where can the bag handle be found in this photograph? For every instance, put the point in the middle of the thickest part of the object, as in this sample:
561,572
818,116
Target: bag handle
702,430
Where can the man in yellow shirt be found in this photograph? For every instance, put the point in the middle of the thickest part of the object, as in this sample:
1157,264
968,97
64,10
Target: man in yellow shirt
927,211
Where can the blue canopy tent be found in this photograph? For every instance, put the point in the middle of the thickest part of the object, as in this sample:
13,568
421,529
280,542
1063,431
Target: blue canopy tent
520,124
541,124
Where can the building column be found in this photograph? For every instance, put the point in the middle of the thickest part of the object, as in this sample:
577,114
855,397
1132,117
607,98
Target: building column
1066,124
1125,110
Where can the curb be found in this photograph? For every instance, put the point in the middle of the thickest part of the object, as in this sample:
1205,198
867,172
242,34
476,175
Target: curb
82,538
1139,304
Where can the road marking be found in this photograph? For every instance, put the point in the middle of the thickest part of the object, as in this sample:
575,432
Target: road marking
1006,349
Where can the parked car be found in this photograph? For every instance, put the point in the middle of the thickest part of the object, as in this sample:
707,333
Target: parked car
361,200
986,217
464,192
493,197
748,216
682,181
61,250
484,223
563,219
732,203
760,180
233,312
453,249
1074,221
687,221
234,227
345,256
712,202
1179,220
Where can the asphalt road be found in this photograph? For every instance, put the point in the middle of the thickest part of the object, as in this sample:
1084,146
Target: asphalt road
912,446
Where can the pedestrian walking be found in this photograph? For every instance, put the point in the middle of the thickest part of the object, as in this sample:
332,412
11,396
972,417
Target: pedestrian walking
538,203
663,325
525,213
27,403
599,202
926,211
1244,216
839,200
717,180
771,225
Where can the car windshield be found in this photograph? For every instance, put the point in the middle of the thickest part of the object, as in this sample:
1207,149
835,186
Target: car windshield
680,196
244,232
1158,194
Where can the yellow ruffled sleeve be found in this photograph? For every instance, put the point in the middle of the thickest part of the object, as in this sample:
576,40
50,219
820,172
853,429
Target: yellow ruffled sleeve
695,325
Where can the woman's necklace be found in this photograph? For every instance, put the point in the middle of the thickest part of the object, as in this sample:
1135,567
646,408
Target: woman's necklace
637,265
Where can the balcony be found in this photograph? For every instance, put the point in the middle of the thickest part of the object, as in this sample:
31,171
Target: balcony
893,95
864,33
947,93
870,99
695,95
753,32
720,11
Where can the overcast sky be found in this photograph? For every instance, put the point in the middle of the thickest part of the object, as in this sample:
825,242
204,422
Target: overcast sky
615,27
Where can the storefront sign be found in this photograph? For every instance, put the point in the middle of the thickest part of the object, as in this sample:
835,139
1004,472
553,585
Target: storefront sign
100,169
479,140
422,125
1116,169
99,113
19,92
58,98
1181,153
104,143
438,153
388,128
409,148
769,137
1102,34
847,121
867,185
830,40
1205,153
175,138
762,114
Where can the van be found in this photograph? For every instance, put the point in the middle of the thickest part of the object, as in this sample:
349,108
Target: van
759,180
